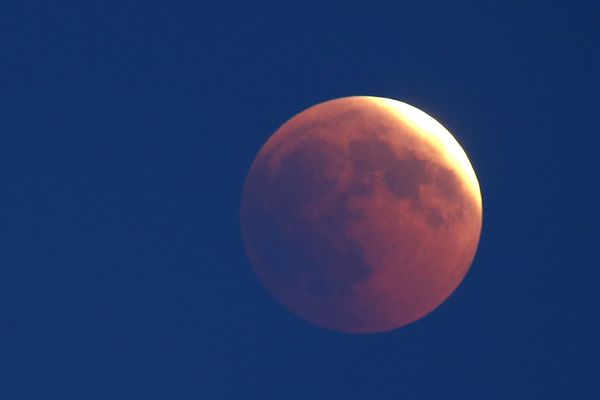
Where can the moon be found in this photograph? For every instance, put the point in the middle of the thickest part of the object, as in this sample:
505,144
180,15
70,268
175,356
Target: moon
361,214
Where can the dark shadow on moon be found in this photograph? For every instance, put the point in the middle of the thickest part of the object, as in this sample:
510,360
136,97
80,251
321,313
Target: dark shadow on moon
292,244
314,249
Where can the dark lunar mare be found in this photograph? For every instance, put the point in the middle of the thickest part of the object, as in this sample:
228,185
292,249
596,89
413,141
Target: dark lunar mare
403,176
289,243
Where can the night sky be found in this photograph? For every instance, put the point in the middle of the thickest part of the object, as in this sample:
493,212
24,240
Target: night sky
127,129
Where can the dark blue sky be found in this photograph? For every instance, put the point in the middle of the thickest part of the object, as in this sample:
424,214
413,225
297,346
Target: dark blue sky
126,131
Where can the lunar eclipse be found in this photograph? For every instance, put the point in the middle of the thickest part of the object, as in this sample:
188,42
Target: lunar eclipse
361,214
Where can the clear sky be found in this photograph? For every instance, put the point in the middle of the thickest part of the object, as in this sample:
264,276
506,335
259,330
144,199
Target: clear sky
126,131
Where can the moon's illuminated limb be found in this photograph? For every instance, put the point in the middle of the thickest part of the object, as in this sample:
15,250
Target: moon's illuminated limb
427,126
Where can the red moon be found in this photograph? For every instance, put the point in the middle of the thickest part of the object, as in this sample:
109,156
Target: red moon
361,214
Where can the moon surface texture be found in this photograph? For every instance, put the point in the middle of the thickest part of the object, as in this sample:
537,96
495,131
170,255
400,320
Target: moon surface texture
361,214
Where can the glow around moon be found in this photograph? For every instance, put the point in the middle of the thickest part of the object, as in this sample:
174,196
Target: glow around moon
361,214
